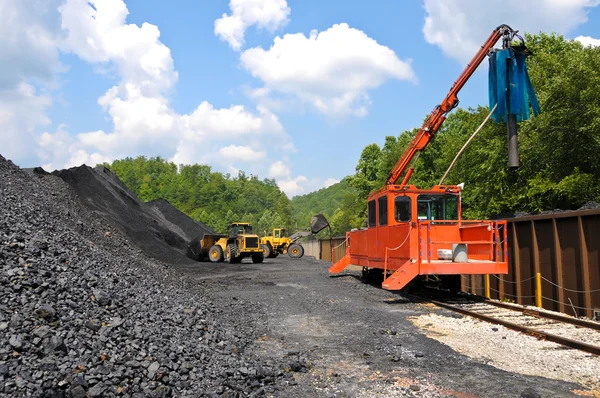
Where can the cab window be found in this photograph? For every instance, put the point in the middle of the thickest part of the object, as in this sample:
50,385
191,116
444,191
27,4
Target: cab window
277,233
437,207
372,214
383,211
402,208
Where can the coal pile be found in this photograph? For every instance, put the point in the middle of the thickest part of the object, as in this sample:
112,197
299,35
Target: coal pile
158,228
586,206
590,206
177,220
84,313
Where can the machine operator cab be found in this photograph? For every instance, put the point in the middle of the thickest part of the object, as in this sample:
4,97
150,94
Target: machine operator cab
441,203
279,233
241,229
425,224
414,232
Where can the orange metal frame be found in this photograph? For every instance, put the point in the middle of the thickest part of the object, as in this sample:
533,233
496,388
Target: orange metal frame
406,249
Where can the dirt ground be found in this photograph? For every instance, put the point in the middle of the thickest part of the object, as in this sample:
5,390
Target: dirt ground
358,339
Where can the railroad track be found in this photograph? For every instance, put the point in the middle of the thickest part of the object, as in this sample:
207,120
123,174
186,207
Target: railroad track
569,332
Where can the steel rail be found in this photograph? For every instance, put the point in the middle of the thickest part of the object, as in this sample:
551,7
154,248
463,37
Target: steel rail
530,331
548,315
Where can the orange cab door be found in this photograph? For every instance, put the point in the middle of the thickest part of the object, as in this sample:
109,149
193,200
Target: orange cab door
372,242
383,230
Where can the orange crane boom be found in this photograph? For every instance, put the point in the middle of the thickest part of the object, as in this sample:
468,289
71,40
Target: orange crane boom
433,123
411,232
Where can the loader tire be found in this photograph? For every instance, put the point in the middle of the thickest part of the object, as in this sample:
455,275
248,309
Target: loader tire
295,251
258,258
231,254
267,250
215,254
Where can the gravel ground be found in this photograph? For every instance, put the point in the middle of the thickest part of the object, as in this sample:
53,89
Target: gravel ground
85,313
359,340
574,332
512,351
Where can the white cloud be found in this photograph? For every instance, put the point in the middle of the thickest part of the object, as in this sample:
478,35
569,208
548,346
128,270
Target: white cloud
22,110
139,107
30,62
329,182
28,46
292,186
234,121
60,149
266,14
459,27
279,169
588,41
239,152
283,175
331,70
97,33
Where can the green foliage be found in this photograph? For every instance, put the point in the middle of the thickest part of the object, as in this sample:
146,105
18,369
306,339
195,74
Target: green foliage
339,203
207,196
560,166
366,178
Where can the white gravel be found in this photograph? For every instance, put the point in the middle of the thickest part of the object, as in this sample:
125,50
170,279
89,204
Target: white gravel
512,351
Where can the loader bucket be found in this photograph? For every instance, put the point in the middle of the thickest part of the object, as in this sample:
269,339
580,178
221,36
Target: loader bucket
194,248
318,223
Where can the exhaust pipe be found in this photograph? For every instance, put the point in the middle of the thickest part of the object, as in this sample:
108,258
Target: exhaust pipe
511,127
513,143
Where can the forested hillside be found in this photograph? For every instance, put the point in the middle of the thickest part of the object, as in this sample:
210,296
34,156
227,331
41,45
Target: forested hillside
339,203
211,197
560,165
218,199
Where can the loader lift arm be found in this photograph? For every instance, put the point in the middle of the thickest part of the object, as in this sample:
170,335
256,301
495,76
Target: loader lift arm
433,123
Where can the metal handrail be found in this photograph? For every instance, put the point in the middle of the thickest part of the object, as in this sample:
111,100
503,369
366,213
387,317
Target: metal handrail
495,230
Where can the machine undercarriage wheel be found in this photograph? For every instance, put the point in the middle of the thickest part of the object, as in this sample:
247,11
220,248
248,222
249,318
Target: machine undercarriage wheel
372,275
258,258
295,250
266,250
415,286
231,254
451,283
215,254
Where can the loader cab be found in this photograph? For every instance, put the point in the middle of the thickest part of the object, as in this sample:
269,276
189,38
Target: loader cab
241,229
279,233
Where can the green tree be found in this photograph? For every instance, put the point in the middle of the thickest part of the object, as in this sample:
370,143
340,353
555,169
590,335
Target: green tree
211,197
560,167
366,178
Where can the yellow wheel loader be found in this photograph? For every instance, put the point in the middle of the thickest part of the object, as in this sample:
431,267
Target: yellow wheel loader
241,243
279,243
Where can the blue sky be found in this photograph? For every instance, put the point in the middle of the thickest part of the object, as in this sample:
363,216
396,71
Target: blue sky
291,90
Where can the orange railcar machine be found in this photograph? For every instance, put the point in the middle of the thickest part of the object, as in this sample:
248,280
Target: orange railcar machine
412,232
